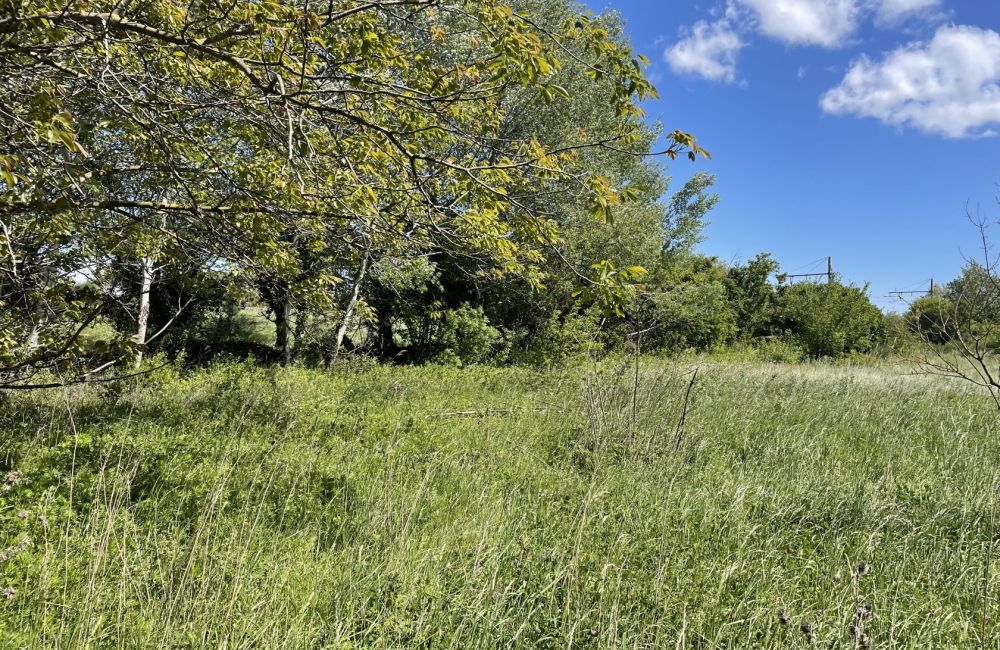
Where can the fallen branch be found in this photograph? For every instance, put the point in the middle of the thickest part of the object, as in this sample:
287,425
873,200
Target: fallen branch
490,411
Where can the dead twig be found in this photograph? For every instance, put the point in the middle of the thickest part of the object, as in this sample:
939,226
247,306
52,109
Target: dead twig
679,433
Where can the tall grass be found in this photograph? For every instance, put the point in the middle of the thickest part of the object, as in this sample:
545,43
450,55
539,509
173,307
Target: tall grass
375,507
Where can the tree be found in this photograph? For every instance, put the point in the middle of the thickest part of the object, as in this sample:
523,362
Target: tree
631,234
961,330
284,140
753,296
974,292
684,219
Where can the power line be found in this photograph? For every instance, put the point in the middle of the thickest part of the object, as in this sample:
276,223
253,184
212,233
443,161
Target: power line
829,273
808,265
921,292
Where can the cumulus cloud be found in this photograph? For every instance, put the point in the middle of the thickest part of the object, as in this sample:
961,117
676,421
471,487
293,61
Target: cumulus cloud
711,49
708,50
949,85
827,23
892,12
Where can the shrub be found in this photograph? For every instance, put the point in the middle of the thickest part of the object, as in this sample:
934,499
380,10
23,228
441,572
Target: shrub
561,340
693,315
932,318
464,336
831,320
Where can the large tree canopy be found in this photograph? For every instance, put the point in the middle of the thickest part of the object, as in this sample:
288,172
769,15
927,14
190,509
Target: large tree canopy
291,141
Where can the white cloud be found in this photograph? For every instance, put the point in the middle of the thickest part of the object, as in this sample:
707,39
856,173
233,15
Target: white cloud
892,12
828,23
709,50
948,86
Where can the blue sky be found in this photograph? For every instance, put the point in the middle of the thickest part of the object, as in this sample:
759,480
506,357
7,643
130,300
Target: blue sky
852,128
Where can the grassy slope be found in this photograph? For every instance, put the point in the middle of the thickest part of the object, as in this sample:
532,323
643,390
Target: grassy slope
240,508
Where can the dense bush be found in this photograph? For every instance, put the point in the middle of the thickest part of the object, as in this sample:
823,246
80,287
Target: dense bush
694,315
932,318
561,340
687,305
831,320
462,336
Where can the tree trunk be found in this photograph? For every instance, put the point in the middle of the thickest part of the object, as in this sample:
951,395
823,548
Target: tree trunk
387,349
349,311
33,336
282,324
300,329
142,321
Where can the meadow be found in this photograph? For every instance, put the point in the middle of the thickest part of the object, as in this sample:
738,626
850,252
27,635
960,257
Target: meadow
370,507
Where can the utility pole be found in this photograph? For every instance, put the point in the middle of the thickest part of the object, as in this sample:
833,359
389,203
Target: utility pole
829,270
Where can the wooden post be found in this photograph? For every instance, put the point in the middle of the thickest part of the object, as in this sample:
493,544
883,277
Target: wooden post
829,270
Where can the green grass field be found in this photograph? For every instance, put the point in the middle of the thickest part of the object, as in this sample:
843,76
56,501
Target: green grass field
376,507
